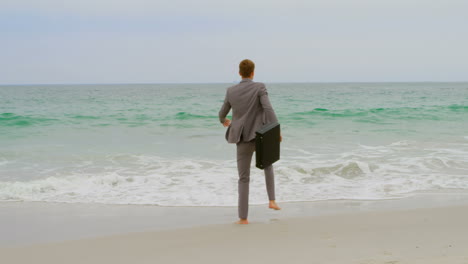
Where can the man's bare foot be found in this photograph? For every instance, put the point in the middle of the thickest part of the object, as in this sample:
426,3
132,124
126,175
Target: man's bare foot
242,222
273,205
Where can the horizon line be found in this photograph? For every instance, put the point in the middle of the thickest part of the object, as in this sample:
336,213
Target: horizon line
280,82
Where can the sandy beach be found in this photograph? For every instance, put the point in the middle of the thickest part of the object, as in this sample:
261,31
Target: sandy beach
365,234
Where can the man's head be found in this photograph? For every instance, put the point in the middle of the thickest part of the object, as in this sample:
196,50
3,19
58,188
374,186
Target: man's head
246,68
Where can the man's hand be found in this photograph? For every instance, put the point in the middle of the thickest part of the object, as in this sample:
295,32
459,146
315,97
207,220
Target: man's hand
227,122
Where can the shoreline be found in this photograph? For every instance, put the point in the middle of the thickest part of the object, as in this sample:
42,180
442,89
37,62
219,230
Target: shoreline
35,223
429,235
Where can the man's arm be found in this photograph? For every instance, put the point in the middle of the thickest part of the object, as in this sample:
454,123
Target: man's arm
224,111
270,115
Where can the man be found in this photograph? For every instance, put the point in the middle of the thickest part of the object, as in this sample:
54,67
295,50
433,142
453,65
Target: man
251,109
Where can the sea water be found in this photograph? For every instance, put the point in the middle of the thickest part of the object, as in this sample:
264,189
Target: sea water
162,144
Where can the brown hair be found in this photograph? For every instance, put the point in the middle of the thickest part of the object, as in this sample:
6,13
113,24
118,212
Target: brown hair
246,67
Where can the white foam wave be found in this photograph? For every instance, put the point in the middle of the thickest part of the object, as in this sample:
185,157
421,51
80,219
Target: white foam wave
157,181
3,162
366,172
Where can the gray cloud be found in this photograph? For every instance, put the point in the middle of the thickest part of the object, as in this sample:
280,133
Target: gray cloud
202,41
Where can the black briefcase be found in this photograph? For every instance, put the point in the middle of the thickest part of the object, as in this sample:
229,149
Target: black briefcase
267,145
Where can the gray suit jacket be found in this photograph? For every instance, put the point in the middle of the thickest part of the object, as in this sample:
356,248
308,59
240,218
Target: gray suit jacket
251,109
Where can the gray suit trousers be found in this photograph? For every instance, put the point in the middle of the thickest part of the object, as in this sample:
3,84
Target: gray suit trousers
245,151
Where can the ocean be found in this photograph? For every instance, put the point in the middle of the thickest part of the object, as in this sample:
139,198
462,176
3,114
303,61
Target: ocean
162,144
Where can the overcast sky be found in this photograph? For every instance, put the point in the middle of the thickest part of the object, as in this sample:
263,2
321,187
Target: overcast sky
152,41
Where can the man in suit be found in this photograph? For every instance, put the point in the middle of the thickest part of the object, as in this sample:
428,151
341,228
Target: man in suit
251,109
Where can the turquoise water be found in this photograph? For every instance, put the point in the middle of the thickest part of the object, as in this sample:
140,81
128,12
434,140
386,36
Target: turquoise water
162,143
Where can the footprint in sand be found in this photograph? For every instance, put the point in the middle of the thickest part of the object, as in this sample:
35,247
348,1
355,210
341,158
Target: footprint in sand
326,236
373,261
